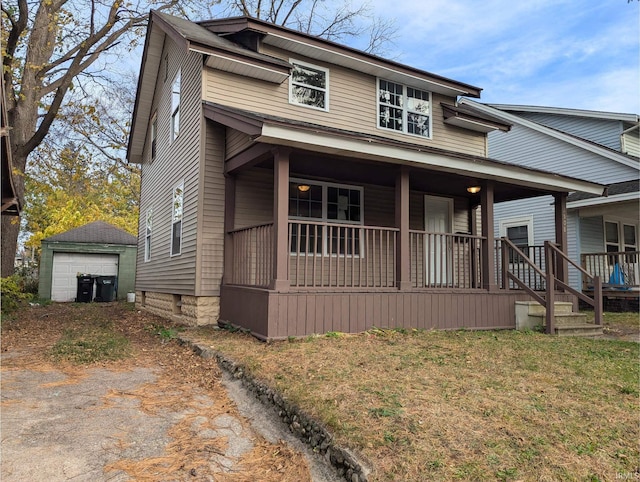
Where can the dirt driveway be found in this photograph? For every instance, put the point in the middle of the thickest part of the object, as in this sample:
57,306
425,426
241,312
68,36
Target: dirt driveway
161,414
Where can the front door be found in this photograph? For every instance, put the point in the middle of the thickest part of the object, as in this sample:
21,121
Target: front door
438,221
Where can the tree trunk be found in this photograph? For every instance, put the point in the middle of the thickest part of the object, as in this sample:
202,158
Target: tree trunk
10,229
11,224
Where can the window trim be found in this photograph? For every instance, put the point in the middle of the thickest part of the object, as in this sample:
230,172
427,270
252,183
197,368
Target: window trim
292,101
325,242
175,109
147,235
515,222
405,110
179,185
620,223
154,135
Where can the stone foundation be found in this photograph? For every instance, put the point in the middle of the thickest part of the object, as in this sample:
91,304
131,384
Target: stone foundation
183,309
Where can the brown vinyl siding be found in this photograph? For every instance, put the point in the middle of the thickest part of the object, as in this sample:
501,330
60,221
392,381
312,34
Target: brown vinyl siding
254,198
352,105
236,142
212,198
175,161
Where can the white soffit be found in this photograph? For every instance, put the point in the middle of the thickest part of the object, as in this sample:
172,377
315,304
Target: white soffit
236,66
470,124
598,201
369,149
360,65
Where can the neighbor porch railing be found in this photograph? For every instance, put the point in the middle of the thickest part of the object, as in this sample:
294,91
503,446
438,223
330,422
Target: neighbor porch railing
617,270
443,260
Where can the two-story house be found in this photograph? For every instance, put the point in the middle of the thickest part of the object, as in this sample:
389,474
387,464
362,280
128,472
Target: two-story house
598,146
292,185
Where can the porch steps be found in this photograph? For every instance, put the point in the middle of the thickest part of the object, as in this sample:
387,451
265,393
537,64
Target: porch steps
530,314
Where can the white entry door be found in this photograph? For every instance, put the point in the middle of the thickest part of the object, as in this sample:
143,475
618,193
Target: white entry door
438,219
66,266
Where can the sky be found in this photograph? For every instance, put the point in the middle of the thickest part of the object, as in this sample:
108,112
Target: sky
560,53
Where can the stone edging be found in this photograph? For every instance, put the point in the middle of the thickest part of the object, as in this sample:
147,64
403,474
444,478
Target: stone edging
300,424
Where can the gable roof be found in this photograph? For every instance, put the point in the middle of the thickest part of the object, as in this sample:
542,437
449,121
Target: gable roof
557,134
221,42
97,232
594,114
616,192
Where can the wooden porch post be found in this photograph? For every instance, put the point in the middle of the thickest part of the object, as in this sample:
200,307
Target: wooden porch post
488,247
403,256
562,268
229,225
280,280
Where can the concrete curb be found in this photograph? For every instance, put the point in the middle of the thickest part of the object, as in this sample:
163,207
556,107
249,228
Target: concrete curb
300,424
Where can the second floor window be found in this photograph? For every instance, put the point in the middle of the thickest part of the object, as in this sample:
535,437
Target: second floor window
176,219
404,109
175,107
309,86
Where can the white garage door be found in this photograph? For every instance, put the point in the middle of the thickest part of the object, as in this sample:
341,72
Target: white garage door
66,267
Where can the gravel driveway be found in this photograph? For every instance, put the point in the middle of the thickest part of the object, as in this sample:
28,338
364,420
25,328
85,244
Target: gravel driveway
162,414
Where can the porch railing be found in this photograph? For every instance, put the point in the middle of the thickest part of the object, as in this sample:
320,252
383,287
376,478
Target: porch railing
252,256
442,260
512,260
553,259
617,270
341,255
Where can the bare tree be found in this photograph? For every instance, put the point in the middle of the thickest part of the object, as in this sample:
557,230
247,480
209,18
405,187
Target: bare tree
342,21
53,47
48,44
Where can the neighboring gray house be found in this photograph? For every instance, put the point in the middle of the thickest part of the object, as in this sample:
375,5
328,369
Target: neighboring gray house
97,248
596,146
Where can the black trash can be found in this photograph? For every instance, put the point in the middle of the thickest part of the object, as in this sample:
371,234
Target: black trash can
84,294
105,288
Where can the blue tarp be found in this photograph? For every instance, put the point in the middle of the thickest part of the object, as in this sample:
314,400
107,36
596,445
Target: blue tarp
617,277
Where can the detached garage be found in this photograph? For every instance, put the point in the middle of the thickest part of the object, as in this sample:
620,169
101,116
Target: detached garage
98,249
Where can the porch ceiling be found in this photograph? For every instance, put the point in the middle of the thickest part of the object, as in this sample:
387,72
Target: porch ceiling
454,171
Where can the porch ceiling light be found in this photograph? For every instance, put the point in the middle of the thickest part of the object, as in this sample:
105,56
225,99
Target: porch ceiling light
303,187
473,189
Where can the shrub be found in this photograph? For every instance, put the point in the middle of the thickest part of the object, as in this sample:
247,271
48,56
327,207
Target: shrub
12,293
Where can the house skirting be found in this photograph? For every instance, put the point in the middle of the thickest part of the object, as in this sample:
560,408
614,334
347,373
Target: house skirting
184,309
273,315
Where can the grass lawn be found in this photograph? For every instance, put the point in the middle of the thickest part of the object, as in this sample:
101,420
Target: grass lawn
463,405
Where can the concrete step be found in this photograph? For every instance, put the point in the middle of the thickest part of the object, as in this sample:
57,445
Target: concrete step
584,329
535,308
562,319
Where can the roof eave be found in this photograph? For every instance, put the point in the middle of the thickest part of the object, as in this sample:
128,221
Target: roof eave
337,54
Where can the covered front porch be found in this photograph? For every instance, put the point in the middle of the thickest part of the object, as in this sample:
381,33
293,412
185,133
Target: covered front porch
325,233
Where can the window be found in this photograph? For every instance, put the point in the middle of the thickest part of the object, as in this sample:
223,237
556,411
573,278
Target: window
404,109
176,224
154,135
520,232
175,107
325,202
619,237
309,86
147,236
